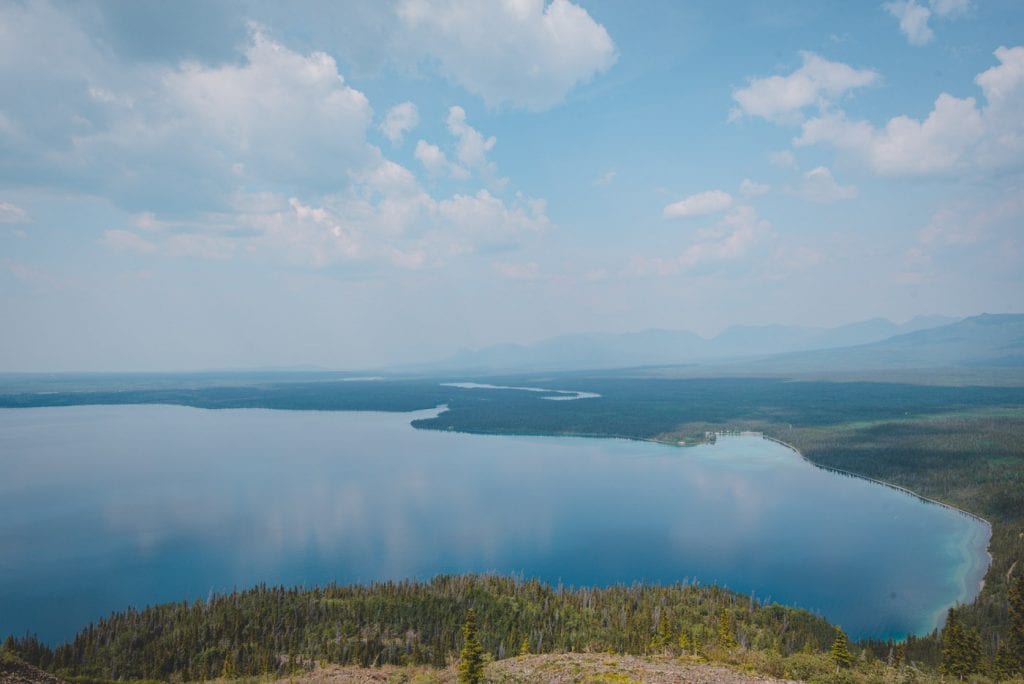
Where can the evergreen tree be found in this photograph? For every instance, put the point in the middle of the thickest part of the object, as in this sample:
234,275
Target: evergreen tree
1013,645
841,650
961,648
899,655
1004,665
726,639
663,639
684,642
471,662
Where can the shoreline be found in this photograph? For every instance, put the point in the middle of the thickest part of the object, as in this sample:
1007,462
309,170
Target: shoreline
987,524
881,482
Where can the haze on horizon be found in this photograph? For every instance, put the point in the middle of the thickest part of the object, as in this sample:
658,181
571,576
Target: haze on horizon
351,184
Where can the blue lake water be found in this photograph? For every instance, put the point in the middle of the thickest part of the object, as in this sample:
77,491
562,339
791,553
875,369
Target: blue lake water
102,507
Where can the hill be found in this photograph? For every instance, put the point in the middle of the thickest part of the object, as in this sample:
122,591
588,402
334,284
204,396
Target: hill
279,631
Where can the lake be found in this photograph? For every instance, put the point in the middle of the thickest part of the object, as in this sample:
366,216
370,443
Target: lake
102,507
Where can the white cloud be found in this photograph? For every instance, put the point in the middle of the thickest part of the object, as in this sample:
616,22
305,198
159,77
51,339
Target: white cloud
266,155
605,178
432,158
819,186
729,240
817,83
913,20
740,230
471,146
968,223
525,53
284,115
436,162
914,17
956,135
700,204
384,217
749,188
483,219
784,159
11,213
151,136
399,120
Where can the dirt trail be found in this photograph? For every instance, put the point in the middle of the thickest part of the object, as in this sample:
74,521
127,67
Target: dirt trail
563,668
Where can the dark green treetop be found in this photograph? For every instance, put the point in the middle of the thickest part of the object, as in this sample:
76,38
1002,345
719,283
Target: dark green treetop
471,661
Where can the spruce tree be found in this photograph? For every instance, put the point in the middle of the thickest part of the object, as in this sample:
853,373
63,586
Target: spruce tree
726,639
899,655
471,662
663,639
961,648
841,650
684,642
1013,646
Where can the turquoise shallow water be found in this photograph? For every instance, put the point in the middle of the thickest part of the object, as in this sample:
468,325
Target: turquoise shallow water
102,507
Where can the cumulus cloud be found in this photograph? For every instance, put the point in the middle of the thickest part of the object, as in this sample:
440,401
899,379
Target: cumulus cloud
526,53
819,186
399,120
11,213
740,230
700,204
729,240
913,20
266,154
914,17
817,83
244,109
436,162
384,217
784,159
153,136
749,188
957,134
471,146
470,149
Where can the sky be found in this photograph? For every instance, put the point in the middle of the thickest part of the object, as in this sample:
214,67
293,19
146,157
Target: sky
207,185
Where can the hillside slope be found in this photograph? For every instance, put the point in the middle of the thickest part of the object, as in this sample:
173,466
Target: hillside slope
988,340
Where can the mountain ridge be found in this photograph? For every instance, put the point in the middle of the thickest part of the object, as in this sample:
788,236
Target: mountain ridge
663,347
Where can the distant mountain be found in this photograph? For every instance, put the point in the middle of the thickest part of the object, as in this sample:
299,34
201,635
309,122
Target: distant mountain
988,340
669,347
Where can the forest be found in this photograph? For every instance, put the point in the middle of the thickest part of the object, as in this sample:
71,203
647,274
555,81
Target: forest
275,630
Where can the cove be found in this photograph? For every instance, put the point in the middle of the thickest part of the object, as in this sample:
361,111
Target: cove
102,507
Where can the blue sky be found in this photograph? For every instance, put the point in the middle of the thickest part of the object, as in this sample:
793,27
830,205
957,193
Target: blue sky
199,185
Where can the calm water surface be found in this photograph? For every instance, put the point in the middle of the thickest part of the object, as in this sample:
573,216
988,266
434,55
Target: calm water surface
102,507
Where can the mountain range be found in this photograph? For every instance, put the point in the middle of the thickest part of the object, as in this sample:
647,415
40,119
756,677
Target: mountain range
671,347
987,340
